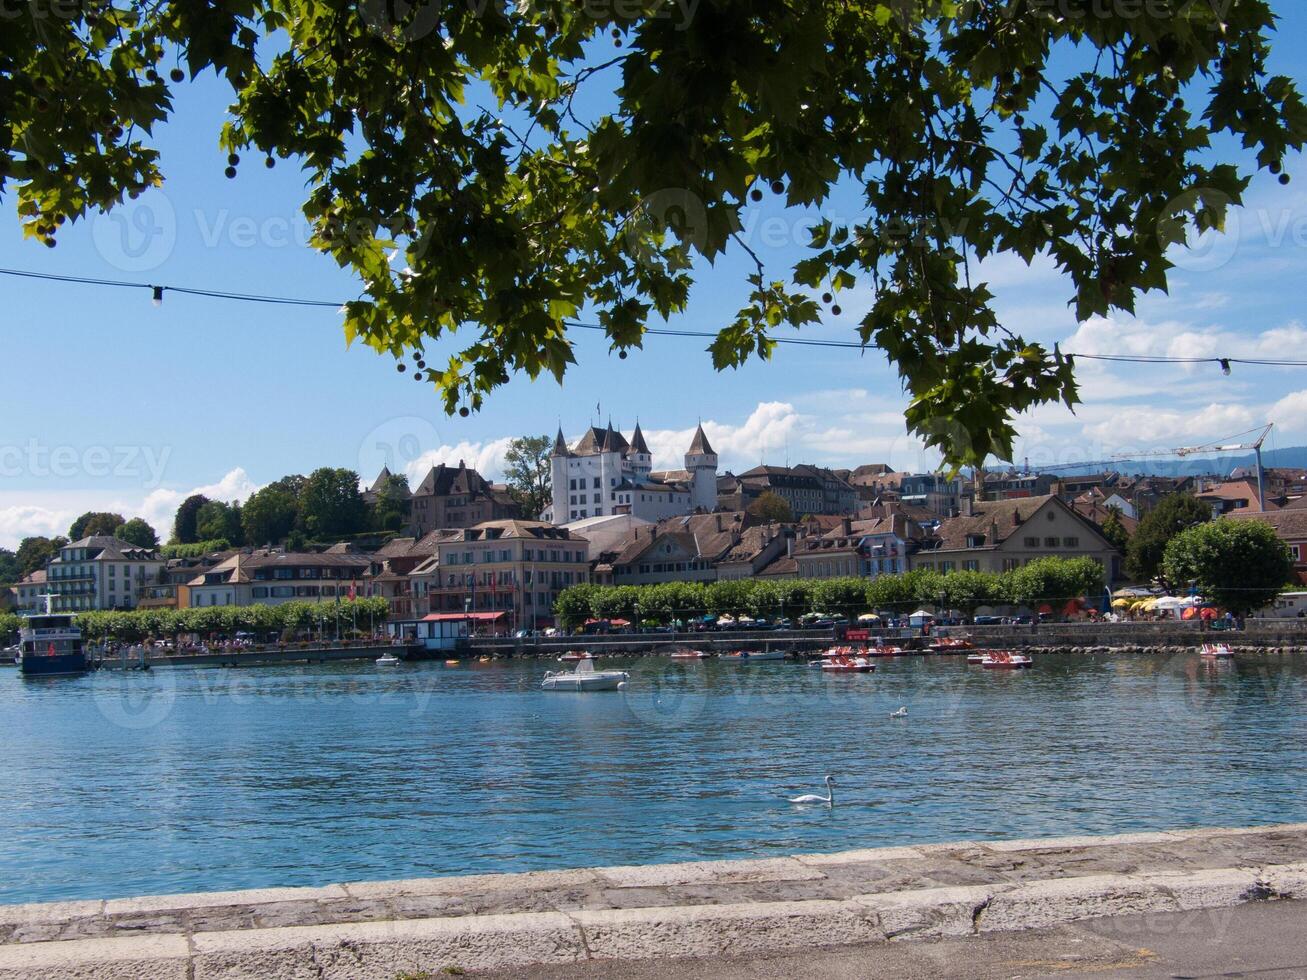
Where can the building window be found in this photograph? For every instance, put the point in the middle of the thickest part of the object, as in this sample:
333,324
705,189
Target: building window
1032,542
971,566
1052,542
1071,542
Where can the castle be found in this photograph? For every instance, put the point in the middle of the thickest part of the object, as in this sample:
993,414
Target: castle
603,474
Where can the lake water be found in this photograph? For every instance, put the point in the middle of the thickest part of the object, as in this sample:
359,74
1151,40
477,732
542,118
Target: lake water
120,784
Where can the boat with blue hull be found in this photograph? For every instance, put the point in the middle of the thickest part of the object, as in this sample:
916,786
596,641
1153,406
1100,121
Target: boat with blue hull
49,645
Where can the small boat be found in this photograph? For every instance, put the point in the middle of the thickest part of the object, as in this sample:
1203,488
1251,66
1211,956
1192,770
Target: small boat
1217,651
901,713
687,653
1006,660
574,656
585,678
388,660
484,660
754,656
452,663
881,650
951,644
847,665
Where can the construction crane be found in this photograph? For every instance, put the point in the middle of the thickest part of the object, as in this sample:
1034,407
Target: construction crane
1255,446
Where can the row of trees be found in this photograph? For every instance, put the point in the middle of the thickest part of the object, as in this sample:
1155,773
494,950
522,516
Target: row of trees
325,505
262,620
1048,580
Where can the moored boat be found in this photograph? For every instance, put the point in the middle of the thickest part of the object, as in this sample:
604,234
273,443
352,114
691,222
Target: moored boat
388,660
951,644
844,664
1005,660
574,656
688,653
49,644
754,656
1217,651
584,678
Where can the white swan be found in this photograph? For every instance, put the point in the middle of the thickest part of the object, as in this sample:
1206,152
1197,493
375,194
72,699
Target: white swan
901,713
829,798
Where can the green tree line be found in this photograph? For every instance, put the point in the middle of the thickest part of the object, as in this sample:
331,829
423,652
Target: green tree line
1047,580
139,624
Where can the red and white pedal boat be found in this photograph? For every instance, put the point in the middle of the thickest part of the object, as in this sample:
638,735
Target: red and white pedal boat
1217,651
845,664
1006,660
951,644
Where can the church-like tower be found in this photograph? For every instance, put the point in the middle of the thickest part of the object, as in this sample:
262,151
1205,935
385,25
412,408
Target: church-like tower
701,463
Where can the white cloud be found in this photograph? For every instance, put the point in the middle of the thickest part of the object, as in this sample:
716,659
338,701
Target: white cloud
160,506
487,458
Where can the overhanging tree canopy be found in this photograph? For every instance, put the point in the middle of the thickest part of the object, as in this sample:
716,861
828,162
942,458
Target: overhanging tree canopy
465,136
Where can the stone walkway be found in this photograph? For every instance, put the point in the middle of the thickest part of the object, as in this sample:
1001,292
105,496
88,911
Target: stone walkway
405,929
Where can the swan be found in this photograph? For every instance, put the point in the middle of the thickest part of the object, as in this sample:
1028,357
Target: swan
901,713
829,798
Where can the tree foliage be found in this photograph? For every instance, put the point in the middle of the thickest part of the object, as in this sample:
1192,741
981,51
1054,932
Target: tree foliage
35,552
771,506
330,504
184,524
270,513
472,139
1147,546
219,519
529,473
1056,580
138,532
387,511
95,522
11,569
131,626
1114,530
1241,565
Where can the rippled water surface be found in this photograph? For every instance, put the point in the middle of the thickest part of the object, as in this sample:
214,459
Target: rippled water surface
185,780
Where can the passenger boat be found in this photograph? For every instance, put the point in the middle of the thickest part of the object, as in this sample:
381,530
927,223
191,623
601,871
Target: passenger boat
388,660
49,644
585,678
687,653
1005,660
574,656
1217,651
754,656
845,664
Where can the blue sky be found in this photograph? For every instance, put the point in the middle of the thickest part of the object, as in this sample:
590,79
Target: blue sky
109,403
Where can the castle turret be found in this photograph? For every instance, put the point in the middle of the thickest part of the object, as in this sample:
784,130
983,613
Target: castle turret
701,462
640,458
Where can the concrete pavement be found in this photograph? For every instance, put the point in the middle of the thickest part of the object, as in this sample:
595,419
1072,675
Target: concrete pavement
1266,940
884,909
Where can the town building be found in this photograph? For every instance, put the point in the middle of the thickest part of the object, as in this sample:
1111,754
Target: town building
693,548
273,577
391,575
603,474
101,572
449,497
29,593
807,489
1229,496
1000,536
503,574
933,492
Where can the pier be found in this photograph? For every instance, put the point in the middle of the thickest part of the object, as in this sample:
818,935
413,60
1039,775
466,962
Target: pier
260,656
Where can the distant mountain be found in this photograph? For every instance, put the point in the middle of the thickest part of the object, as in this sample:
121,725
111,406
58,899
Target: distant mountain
1223,465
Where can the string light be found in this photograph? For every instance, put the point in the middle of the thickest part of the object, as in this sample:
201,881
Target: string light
221,294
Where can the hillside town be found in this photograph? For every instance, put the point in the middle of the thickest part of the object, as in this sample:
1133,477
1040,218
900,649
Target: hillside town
459,546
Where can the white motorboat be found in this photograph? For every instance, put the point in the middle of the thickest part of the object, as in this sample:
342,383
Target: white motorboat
1217,651
754,656
388,660
585,678
689,653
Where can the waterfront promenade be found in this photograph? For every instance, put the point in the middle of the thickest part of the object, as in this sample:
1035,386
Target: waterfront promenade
863,900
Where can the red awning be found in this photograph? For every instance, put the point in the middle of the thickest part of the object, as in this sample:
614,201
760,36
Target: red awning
479,617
